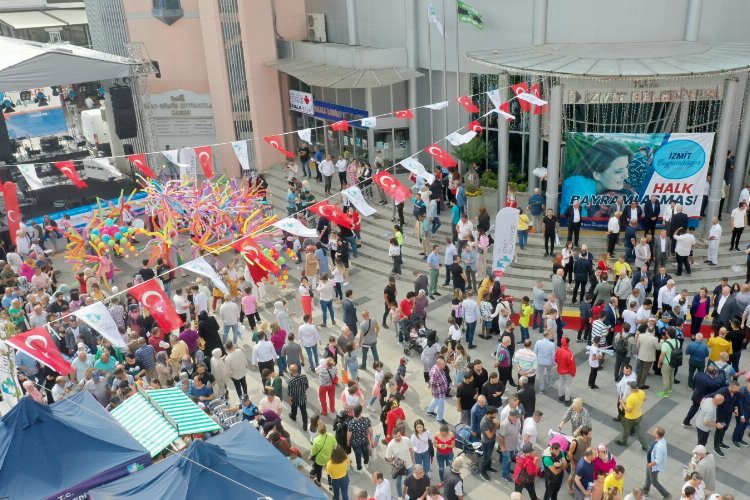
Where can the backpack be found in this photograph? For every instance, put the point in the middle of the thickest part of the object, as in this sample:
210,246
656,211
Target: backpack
721,374
675,357
621,346
340,428
524,478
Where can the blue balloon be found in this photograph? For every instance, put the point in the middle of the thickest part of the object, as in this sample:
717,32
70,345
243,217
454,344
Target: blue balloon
123,229
106,237
118,236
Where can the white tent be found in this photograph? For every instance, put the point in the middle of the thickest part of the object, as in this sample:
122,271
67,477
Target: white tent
25,64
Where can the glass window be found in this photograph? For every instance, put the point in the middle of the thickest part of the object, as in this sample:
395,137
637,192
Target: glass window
167,4
167,11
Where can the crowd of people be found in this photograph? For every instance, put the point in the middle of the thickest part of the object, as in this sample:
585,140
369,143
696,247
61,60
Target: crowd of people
631,309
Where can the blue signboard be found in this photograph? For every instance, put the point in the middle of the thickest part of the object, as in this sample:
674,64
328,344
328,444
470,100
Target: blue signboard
336,112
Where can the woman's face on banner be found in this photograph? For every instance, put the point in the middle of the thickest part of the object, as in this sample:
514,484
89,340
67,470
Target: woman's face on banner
613,177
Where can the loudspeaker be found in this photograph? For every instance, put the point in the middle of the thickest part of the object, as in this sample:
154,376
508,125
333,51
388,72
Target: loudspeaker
6,154
123,109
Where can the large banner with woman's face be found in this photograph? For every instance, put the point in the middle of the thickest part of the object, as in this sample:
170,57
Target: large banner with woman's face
603,170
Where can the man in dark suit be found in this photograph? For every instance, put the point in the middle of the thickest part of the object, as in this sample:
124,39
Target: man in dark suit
651,211
618,206
581,272
660,279
573,217
679,219
633,212
641,273
610,318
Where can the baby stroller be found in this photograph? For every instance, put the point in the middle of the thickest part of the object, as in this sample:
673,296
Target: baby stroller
416,341
472,449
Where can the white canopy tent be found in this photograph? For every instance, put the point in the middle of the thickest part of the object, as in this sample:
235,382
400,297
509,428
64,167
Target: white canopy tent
25,64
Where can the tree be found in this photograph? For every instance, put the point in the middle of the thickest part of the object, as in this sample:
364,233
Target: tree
472,153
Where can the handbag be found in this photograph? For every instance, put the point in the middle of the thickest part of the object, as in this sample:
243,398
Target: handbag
345,376
312,457
430,448
334,378
398,468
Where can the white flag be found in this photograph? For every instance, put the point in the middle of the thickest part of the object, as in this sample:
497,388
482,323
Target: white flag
240,149
295,227
29,173
505,115
432,17
413,166
305,134
457,139
368,122
10,390
531,98
494,96
438,105
354,195
106,165
171,155
200,266
98,318
505,239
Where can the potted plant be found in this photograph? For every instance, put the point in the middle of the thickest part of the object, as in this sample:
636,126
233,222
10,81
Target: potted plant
472,153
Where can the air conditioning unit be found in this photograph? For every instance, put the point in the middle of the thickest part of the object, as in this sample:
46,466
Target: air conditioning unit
316,28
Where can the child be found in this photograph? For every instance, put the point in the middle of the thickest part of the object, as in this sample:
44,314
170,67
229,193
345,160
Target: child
485,308
433,493
296,459
330,350
457,312
401,385
312,430
454,332
525,318
585,310
379,375
393,315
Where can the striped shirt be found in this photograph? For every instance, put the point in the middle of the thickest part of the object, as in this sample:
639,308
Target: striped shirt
599,329
297,389
526,362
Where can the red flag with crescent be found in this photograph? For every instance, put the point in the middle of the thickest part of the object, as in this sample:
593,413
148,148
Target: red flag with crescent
468,104
254,255
205,158
442,156
68,168
520,88
333,213
505,107
475,126
278,143
12,209
392,187
257,273
340,126
139,162
38,344
536,89
404,114
154,298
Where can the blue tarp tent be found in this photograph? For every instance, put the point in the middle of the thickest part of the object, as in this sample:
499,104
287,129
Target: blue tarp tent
62,450
254,467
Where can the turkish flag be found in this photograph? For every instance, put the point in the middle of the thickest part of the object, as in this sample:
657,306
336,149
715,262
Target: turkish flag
468,104
152,296
205,158
257,273
254,254
278,143
68,168
39,345
536,89
392,187
13,211
340,126
333,213
442,156
139,162
475,127
520,88
405,114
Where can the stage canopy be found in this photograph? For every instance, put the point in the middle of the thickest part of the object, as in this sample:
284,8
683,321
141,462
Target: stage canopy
254,467
65,448
25,64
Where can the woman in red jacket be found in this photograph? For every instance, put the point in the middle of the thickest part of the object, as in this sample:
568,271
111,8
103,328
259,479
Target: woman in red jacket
566,368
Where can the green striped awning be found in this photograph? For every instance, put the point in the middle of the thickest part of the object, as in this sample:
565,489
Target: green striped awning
145,423
158,417
190,419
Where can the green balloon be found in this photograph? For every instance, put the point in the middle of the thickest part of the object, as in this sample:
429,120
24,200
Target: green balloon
111,243
281,260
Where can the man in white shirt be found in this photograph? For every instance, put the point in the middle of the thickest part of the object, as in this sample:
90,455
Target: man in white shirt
630,316
667,216
685,242
341,166
326,170
200,300
181,304
714,240
623,388
264,354
530,432
745,194
464,229
236,364
450,251
472,314
643,313
309,337
739,216
229,313
613,232
382,487
666,294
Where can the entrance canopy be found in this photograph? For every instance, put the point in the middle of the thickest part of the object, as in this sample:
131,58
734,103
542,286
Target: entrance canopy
623,60
318,74
25,64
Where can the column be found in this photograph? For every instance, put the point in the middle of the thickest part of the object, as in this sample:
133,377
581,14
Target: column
740,158
370,131
693,20
539,29
535,138
351,22
411,85
502,145
682,118
555,144
720,150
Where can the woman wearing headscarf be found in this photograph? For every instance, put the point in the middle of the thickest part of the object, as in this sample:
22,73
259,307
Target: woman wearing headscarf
32,391
282,316
163,370
219,371
208,329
